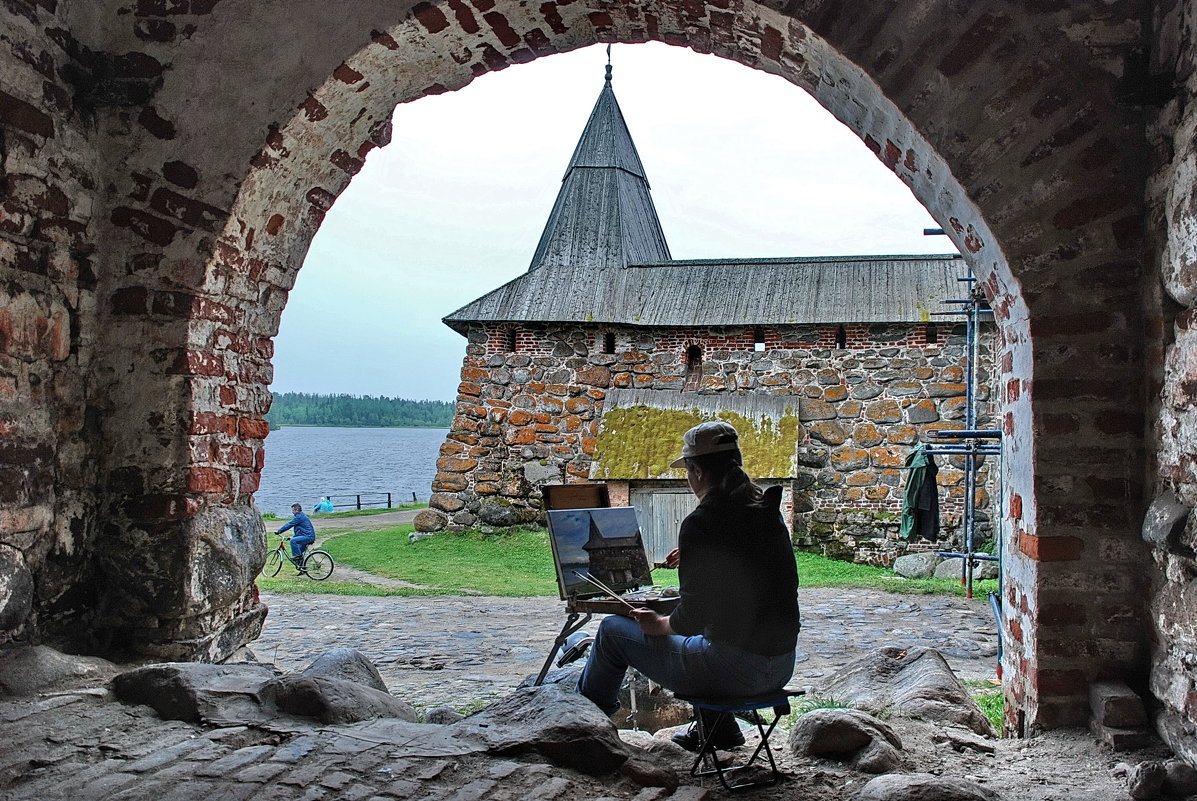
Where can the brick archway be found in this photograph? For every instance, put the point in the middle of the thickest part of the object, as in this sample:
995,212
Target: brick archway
210,212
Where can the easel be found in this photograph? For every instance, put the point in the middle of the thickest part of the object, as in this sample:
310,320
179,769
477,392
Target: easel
580,610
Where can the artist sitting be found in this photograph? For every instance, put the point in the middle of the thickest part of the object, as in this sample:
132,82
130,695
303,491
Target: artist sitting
733,633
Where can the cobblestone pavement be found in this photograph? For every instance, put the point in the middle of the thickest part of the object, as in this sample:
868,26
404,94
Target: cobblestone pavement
81,745
435,650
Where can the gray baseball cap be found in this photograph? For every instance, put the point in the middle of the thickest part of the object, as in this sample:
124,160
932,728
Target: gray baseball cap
713,436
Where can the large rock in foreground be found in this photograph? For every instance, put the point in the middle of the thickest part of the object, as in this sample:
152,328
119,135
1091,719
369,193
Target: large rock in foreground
924,787
915,682
553,721
29,670
851,736
347,664
196,691
331,700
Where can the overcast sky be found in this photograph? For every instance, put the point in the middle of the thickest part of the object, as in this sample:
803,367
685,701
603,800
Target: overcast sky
742,164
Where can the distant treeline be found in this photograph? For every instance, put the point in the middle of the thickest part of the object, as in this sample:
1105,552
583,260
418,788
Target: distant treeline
306,409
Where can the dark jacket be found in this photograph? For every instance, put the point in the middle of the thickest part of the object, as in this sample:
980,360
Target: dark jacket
920,503
739,581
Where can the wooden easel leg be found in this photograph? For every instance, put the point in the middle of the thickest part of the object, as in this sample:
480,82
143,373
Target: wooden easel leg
572,624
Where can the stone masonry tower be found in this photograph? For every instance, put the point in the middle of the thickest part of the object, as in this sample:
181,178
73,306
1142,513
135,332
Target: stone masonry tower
527,402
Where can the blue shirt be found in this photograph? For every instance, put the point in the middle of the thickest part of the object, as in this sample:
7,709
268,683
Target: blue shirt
302,524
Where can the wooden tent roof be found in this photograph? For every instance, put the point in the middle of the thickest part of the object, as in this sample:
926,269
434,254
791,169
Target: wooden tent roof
834,289
603,259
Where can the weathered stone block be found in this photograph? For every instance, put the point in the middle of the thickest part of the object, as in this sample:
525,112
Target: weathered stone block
1122,739
594,376
866,435
429,520
923,411
446,501
904,388
902,435
835,394
849,458
884,411
810,409
827,431
938,390
866,391
916,565
861,478
449,482
453,464
1115,705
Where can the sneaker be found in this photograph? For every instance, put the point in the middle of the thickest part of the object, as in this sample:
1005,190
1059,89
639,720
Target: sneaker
727,737
574,648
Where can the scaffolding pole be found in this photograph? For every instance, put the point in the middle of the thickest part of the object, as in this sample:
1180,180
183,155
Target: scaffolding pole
972,444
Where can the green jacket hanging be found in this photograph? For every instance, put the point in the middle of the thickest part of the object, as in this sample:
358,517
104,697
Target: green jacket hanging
920,502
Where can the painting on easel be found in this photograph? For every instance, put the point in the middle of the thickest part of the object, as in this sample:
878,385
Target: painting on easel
602,544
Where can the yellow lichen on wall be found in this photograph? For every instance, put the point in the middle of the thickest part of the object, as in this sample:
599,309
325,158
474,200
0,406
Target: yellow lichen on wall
639,442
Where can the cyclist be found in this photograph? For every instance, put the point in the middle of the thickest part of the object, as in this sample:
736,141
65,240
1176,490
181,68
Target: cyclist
305,533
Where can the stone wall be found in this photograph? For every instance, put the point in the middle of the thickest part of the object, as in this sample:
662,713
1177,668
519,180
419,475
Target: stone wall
1171,525
49,269
531,415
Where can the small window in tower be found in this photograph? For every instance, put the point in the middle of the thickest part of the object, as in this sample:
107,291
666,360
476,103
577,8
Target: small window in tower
758,338
932,334
608,342
841,337
509,339
693,368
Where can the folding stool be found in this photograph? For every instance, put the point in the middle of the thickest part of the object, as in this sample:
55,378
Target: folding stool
707,762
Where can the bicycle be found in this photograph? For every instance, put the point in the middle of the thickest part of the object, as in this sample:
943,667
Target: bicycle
315,564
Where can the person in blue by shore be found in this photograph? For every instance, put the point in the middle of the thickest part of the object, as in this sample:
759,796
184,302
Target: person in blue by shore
305,532
325,505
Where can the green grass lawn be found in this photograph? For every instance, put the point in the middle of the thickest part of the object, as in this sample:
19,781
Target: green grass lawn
520,564
517,564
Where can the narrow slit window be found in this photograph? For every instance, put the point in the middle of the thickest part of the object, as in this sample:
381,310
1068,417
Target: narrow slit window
608,342
932,334
758,338
509,340
693,368
841,337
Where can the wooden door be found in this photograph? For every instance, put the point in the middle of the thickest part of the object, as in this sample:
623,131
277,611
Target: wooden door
660,512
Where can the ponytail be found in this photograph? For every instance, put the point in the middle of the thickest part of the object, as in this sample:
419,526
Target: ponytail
729,482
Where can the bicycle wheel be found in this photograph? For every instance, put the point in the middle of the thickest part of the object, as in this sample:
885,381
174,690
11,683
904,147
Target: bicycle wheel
274,563
318,565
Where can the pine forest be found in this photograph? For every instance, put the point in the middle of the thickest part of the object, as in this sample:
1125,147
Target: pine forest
365,411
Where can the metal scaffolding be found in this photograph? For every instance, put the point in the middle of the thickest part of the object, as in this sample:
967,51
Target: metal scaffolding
971,443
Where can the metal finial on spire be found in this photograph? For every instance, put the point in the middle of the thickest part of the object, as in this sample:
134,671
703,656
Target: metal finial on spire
608,79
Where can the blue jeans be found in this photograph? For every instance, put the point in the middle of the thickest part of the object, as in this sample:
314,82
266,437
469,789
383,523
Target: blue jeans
684,665
299,544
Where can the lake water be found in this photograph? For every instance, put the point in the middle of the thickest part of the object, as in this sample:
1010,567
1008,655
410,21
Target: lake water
303,464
